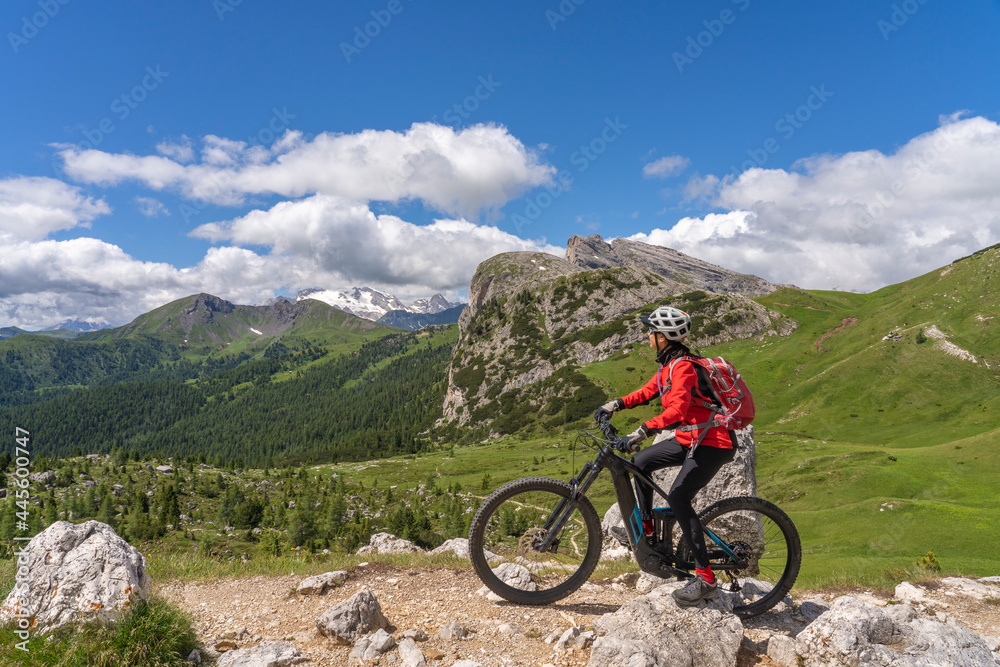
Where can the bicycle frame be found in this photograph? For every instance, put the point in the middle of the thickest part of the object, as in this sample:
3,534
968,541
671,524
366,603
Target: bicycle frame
658,558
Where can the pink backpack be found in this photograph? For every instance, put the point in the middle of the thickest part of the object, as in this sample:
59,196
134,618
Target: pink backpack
722,391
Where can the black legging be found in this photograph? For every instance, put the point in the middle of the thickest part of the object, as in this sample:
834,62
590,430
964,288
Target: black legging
694,474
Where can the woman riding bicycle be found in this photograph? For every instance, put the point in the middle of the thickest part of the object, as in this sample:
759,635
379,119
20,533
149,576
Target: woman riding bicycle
677,384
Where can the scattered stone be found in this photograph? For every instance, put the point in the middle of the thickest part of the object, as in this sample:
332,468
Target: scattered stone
77,572
373,645
194,657
416,635
781,649
386,543
352,618
224,645
907,592
513,575
271,654
453,631
433,654
508,629
466,663
45,478
552,636
320,583
164,469
812,609
410,654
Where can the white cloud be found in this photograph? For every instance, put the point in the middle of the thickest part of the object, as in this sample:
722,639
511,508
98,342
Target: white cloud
47,282
181,150
336,236
860,220
463,172
666,166
34,207
150,207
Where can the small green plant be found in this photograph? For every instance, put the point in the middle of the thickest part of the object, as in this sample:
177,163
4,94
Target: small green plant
993,601
921,337
929,562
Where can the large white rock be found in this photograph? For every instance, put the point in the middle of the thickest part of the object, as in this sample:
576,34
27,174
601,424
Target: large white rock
353,618
853,632
272,654
387,543
706,634
736,478
77,573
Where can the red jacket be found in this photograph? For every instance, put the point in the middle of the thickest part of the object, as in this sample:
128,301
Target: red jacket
677,405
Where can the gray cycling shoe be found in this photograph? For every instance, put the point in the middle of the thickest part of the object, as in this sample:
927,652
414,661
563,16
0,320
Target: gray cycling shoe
695,591
618,533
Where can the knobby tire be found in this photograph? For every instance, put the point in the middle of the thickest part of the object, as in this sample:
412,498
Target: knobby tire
486,514
789,562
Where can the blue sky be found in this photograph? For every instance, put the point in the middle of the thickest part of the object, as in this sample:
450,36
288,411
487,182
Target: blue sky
843,145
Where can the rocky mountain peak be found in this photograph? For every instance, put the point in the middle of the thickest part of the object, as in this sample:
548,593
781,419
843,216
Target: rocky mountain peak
593,252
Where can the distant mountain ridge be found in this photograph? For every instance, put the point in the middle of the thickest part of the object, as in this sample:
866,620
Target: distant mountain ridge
367,302
207,320
408,320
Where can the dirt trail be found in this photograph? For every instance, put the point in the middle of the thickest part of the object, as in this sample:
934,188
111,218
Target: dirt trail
428,598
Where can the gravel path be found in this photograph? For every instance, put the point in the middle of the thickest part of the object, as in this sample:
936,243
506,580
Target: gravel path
502,634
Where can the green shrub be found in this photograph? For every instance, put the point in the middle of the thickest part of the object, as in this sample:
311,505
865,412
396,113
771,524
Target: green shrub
154,633
929,562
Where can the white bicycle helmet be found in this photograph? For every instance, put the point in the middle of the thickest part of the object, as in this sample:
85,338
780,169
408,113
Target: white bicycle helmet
673,323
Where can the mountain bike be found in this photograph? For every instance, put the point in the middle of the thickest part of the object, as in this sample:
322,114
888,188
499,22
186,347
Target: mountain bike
552,529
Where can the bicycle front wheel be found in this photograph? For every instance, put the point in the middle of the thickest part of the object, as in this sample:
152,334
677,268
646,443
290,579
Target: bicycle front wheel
532,543
761,538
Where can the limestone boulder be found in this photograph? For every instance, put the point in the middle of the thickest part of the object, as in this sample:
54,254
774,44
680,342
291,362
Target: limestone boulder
353,618
77,573
459,546
854,632
320,583
387,543
736,478
654,630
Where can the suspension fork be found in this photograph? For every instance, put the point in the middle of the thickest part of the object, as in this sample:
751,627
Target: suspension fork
560,515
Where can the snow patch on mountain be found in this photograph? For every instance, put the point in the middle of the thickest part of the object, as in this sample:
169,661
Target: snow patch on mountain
373,304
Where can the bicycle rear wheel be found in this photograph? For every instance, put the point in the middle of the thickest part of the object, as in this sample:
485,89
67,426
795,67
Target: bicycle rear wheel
759,535
532,524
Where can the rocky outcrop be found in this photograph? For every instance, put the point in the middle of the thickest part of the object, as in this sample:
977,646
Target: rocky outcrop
592,252
854,632
76,573
531,314
353,618
653,630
